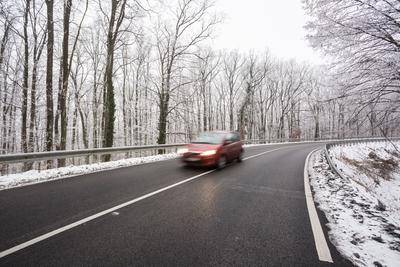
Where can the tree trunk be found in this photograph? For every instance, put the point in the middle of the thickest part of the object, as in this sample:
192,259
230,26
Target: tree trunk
109,101
49,79
162,121
84,128
58,112
231,112
108,94
316,118
37,52
33,106
3,106
65,77
95,107
24,108
74,131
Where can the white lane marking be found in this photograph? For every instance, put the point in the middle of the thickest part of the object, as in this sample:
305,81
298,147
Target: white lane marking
110,210
262,153
319,238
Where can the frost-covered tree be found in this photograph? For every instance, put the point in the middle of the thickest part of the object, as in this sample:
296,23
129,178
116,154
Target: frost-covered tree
362,37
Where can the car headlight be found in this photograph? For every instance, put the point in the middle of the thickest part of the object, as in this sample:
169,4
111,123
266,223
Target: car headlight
182,150
208,153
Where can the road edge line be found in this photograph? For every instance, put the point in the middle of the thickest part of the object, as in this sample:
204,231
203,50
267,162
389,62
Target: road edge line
321,245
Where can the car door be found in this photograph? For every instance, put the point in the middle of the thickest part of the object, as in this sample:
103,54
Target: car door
237,145
229,146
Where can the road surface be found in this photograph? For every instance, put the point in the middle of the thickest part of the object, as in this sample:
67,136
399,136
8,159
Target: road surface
252,213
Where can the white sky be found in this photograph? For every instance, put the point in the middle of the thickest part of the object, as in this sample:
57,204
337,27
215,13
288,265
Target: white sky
259,24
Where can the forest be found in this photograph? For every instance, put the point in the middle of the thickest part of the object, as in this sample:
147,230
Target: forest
90,73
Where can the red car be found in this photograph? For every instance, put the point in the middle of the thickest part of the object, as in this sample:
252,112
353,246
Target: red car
213,149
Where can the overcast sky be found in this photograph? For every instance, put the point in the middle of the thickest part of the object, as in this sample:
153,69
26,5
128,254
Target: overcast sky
257,24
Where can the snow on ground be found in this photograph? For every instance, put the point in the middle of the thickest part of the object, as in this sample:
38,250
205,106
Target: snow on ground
34,176
363,208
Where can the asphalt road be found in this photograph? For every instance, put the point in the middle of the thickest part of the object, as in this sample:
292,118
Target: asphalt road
252,213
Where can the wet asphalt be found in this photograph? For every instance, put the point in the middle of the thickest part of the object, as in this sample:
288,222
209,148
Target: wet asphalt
252,213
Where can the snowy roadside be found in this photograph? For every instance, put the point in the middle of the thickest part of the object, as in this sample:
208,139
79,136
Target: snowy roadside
363,210
34,176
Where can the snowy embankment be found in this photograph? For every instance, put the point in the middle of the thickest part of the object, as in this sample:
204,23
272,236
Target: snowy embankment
34,176
363,208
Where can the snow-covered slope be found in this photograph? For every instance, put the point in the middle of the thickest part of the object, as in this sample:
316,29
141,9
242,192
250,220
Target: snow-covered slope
363,209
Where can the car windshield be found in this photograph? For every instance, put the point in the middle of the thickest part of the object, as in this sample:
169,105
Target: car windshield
209,138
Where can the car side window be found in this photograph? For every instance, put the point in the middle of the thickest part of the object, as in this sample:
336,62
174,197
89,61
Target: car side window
236,137
233,137
230,137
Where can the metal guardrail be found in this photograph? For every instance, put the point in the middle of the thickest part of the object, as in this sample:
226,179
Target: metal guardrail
37,156
289,140
333,166
312,140
50,155
330,162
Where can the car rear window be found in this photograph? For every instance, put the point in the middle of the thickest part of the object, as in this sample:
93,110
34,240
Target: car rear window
234,137
209,138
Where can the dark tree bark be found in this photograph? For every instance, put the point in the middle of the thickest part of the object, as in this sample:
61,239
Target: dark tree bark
3,105
65,69
49,78
116,19
4,40
38,44
65,76
24,108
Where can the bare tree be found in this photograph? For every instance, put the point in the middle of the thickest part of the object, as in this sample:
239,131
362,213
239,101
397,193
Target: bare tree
65,69
314,101
291,80
362,37
115,21
93,47
39,40
49,77
206,66
232,64
25,89
254,74
4,108
190,26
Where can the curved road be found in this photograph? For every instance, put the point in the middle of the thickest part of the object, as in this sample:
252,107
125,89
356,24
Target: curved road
252,213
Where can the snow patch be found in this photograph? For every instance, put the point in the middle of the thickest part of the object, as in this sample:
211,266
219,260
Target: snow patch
34,176
362,209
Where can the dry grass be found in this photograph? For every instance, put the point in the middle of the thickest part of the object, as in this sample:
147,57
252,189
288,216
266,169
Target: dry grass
376,167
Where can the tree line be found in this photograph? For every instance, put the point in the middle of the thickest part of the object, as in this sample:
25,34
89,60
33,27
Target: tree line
90,73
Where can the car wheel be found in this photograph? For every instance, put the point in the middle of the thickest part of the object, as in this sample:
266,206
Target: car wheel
221,162
240,157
